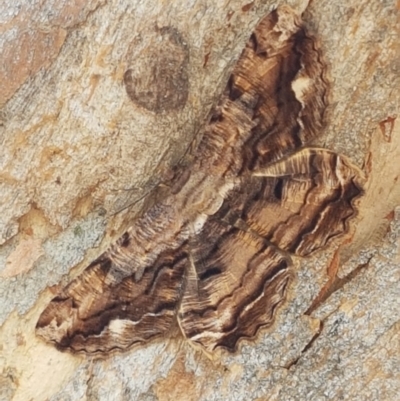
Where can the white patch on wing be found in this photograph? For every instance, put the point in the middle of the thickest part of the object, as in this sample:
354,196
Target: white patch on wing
199,223
119,326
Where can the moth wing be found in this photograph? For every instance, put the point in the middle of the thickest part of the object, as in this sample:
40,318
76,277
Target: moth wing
284,70
235,281
239,269
302,202
104,309
274,102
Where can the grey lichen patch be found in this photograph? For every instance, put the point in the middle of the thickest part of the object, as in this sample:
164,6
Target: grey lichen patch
157,79
132,374
360,320
60,253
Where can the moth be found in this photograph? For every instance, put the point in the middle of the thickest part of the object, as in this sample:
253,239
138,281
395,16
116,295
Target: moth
214,256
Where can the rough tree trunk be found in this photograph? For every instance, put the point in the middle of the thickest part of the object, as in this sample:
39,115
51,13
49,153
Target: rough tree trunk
77,147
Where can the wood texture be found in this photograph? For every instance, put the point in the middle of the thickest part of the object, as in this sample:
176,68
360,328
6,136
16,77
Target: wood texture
215,254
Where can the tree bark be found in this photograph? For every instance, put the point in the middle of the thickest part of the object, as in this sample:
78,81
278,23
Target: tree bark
88,130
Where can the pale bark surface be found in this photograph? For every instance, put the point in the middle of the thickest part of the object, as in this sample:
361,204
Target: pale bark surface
75,149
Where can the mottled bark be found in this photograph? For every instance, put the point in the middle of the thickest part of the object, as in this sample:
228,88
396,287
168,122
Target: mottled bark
81,140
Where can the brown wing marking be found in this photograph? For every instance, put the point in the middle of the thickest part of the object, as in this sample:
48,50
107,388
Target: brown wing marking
100,313
292,99
300,203
283,67
274,102
234,284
